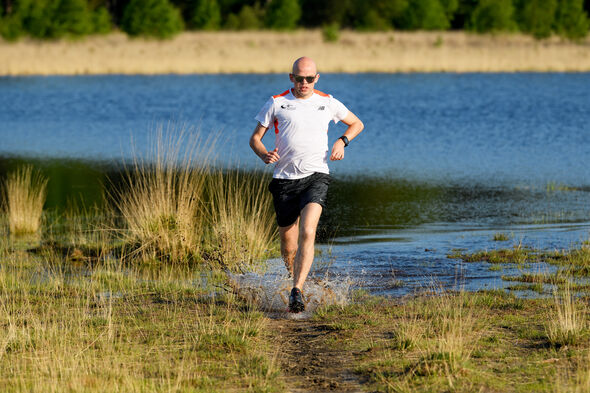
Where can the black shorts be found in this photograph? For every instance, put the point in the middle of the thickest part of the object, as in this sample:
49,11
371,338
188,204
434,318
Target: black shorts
291,196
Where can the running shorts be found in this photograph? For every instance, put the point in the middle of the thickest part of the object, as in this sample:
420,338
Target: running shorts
291,196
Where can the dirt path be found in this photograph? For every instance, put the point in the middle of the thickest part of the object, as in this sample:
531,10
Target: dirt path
309,363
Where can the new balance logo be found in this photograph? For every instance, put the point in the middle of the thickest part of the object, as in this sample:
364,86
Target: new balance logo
321,108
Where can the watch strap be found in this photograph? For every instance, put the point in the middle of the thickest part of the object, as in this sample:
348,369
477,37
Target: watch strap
345,140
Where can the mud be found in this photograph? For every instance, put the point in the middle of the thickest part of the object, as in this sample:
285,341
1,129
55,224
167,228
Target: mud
307,360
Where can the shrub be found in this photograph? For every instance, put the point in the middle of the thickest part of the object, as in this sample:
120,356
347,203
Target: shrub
283,14
70,17
331,32
101,20
426,15
248,19
373,21
155,18
206,15
49,19
11,28
537,17
571,19
492,16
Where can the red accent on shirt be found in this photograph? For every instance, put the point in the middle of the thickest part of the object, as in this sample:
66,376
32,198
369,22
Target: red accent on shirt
282,94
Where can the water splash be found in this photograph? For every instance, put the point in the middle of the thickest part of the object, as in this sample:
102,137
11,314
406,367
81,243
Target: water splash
270,291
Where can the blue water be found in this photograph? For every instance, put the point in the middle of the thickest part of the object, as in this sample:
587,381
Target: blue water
445,161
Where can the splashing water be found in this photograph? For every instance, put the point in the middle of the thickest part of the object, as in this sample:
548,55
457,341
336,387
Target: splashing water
270,291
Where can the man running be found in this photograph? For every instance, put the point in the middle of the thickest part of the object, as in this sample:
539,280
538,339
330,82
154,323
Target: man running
300,117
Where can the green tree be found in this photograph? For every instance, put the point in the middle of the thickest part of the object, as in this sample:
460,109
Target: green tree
536,16
71,17
206,15
101,20
462,16
378,14
283,14
425,15
155,18
571,20
450,7
326,12
493,16
249,18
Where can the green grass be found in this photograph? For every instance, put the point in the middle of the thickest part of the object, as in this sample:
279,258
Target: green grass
465,342
110,328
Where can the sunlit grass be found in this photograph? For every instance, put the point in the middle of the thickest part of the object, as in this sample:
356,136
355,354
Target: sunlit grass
108,328
162,201
239,52
566,322
25,190
242,218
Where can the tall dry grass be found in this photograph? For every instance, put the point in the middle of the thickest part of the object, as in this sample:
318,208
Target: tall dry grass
242,219
25,190
231,52
566,321
162,198
176,207
108,330
451,335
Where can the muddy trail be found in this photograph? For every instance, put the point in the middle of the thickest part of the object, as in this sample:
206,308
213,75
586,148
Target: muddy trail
308,361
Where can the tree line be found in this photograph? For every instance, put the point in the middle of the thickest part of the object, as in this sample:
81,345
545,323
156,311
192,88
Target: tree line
51,19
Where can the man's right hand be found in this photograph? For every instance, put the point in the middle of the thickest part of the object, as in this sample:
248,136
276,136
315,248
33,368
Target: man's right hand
271,156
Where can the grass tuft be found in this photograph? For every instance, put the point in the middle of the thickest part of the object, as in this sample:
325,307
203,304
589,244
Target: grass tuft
566,324
242,219
25,191
162,198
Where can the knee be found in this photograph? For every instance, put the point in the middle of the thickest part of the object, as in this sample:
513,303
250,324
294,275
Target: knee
307,233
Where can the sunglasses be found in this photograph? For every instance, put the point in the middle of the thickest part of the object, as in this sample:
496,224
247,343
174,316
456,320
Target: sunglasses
308,79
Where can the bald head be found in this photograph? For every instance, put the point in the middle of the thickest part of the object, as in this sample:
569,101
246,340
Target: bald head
304,77
304,66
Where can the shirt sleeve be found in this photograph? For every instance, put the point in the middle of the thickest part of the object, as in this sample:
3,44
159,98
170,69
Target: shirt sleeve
339,111
266,114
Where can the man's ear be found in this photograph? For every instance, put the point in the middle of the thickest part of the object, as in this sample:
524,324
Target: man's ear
291,78
317,77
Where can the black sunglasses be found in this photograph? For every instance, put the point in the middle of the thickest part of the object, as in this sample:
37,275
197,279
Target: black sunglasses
308,79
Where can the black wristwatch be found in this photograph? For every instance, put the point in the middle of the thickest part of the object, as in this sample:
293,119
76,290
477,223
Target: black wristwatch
345,140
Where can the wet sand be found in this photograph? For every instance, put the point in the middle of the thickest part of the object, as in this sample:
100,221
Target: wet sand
272,52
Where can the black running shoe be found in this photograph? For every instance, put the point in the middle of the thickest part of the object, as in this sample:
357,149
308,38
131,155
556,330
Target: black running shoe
296,301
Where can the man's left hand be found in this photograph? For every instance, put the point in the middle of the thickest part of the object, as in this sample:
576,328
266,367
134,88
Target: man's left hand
337,150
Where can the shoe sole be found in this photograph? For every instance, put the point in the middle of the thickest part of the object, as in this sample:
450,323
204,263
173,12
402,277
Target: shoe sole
297,308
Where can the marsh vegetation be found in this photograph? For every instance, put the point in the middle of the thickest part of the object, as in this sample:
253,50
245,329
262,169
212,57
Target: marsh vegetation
132,295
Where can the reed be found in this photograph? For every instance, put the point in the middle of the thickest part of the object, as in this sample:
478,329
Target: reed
566,322
242,219
162,201
25,191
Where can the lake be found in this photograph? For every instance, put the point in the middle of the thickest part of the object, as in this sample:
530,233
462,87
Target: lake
445,161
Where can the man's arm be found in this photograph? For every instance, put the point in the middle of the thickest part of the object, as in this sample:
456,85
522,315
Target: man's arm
355,126
256,144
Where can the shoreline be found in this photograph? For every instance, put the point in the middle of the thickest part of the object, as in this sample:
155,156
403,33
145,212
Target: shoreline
273,52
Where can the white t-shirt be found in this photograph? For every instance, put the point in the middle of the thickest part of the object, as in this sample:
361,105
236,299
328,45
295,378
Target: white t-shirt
301,129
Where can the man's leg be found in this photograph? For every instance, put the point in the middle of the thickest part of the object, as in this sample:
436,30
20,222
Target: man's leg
308,223
289,237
